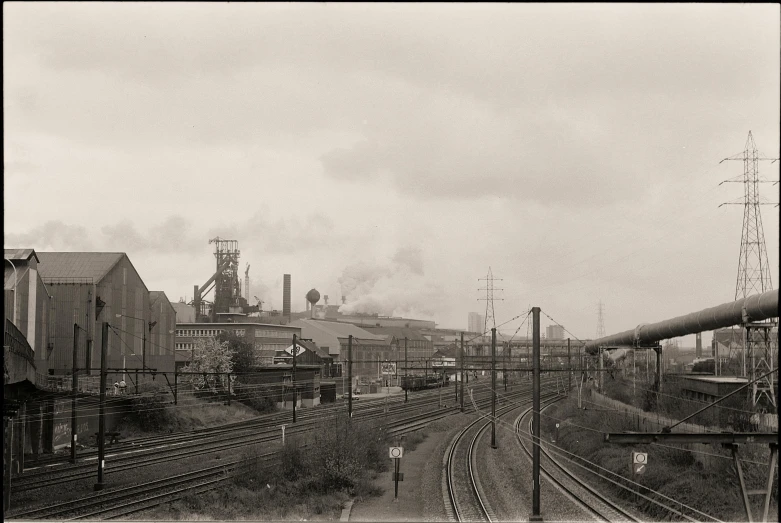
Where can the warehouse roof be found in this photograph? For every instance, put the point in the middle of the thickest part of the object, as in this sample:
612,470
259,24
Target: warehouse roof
93,265
342,330
20,254
398,332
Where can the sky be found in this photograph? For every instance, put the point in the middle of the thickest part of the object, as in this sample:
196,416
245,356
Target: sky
393,153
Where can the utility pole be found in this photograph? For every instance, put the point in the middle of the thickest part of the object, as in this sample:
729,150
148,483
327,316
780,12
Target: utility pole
569,367
601,369
295,349
536,416
462,372
493,388
75,388
102,411
406,379
504,370
350,375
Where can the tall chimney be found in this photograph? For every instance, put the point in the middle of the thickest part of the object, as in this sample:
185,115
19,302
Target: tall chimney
698,348
286,296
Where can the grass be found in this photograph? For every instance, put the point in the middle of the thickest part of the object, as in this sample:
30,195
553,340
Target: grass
155,415
316,475
709,485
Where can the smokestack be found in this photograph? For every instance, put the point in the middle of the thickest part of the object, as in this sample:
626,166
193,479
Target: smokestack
286,296
344,299
326,299
698,348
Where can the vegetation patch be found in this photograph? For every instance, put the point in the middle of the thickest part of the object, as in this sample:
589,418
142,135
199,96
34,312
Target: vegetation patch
155,414
705,482
312,478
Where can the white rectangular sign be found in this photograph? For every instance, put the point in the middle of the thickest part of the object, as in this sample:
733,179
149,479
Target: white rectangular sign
396,452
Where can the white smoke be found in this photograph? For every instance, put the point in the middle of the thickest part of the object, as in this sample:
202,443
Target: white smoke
397,289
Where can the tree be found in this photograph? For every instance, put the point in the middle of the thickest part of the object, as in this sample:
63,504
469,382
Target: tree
213,361
243,352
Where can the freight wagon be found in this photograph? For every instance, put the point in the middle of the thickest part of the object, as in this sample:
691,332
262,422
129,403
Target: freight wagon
419,382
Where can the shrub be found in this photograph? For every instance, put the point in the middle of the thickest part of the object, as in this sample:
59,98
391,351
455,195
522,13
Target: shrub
151,413
259,397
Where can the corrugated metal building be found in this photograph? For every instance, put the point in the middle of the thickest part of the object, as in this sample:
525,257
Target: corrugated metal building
162,330
27,295
89,288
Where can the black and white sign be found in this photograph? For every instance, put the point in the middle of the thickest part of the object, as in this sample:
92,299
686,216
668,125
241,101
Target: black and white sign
396,452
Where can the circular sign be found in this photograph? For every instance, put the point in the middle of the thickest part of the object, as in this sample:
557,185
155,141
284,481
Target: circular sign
639,458
396,452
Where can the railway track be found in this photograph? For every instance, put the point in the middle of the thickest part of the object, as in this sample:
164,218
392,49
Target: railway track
118,503
395,404
465,499
168,449
571,485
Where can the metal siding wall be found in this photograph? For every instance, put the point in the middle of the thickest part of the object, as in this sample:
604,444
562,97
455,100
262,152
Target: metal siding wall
23,290
70,302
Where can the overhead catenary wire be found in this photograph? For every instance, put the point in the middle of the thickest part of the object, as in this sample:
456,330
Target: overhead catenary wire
561,452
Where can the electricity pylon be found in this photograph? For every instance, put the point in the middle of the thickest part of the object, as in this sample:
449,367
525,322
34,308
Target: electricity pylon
753,271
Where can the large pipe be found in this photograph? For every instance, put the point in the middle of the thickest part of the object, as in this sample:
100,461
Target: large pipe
754,308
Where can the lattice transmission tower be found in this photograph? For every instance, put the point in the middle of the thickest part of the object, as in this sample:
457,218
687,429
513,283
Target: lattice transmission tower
490,316
754,271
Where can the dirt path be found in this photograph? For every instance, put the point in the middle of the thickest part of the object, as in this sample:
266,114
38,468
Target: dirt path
420,494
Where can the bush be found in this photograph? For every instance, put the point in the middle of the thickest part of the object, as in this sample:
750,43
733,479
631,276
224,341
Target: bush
151,413
258,397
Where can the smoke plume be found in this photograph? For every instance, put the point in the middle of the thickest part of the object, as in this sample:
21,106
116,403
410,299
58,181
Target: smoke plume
396,289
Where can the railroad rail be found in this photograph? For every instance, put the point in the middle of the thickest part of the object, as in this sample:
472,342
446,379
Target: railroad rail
121,502
465,499
585,495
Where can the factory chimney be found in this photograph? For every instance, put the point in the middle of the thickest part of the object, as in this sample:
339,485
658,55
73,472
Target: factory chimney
698,347
286,296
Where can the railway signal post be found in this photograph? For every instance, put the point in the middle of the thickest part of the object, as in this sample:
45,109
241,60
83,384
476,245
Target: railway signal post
396,454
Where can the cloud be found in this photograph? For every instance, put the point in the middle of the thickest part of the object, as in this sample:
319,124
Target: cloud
397,289
170,236
298,232
53,235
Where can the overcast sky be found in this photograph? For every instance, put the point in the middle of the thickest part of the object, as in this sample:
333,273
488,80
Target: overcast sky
395,152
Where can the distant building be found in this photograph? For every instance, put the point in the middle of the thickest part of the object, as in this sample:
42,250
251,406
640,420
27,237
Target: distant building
266,339
554,332
369,349
419,347
476,322
184,313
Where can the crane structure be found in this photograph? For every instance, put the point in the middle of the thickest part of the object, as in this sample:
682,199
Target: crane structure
246,283
226,285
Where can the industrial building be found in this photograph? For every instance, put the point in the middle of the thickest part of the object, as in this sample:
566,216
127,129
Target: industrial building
28,304
419,347
278,381
476,323
265,338
554,332
89,288
368,348
160,333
